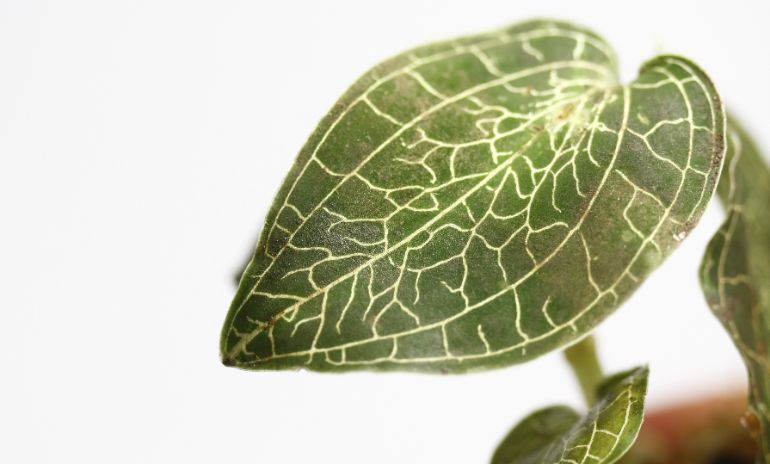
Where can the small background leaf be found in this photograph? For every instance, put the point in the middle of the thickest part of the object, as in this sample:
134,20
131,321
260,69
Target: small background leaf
528,442
735,273
559,435
476,203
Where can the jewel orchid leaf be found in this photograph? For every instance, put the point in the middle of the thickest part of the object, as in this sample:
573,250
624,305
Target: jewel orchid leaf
476,203
560,435
735,272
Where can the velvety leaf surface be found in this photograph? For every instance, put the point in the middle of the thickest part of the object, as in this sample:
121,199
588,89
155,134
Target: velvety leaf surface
559,435
735,274
476,203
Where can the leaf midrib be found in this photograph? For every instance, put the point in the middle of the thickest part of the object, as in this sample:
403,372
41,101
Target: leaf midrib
244,341
471,307
409,125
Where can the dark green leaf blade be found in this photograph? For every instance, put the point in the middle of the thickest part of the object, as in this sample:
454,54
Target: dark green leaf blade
530,440
476,203
735,272
559,435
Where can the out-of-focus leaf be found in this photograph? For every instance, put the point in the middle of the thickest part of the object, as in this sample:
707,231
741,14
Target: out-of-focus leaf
735,273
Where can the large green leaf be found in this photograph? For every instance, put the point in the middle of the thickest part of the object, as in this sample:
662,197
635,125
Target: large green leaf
735,274
559,435
476,203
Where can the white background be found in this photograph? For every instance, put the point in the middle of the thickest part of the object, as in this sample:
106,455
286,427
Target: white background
140,146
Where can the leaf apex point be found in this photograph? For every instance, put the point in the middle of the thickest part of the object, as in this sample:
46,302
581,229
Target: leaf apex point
227,360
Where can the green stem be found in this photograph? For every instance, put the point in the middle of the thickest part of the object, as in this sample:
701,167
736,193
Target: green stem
585,365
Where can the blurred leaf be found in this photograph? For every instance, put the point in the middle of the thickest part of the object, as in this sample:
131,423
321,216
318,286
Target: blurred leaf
560,435
476,203
735,273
